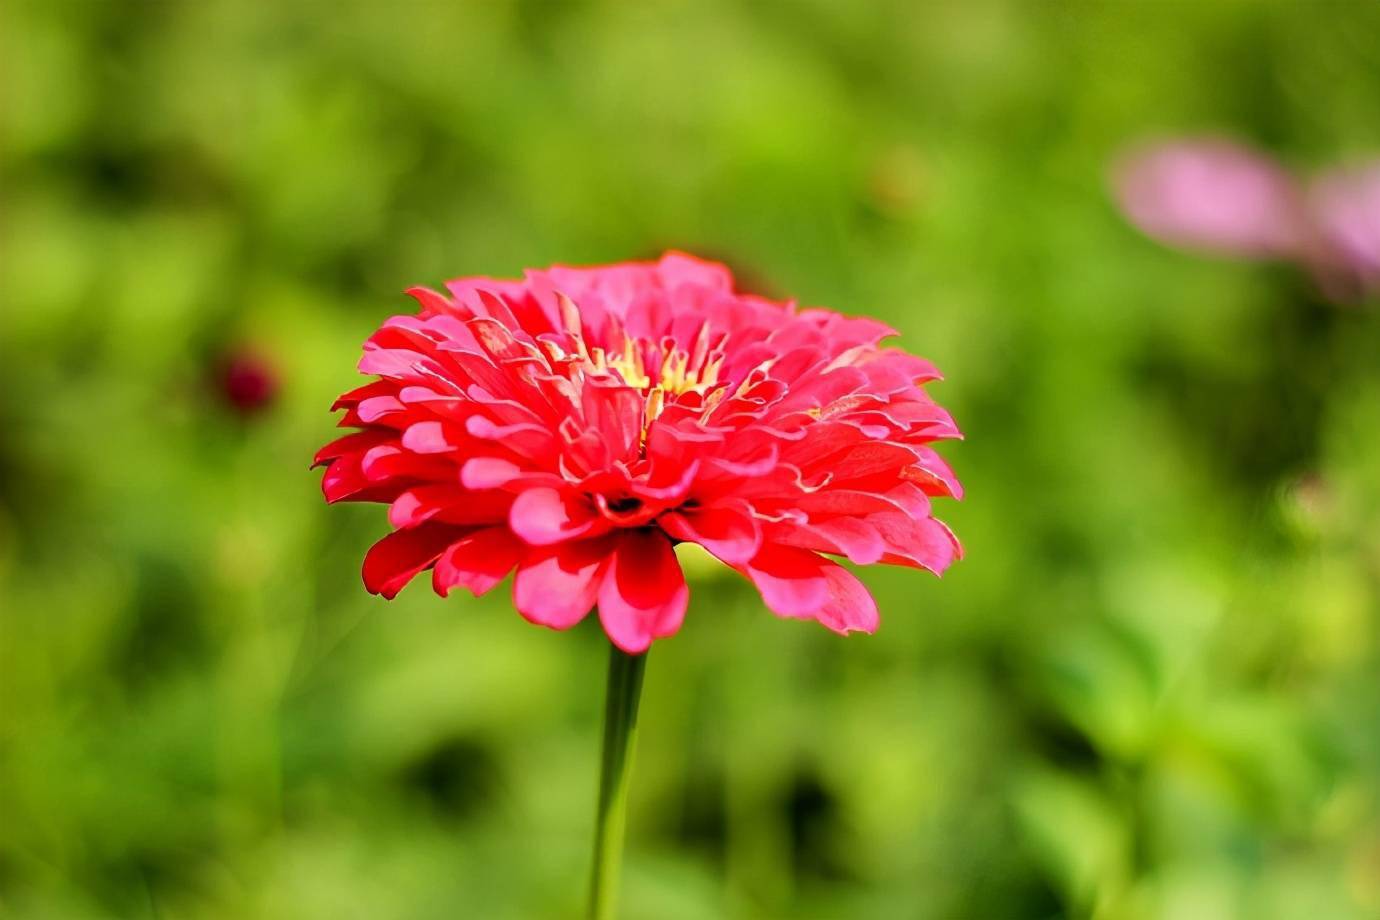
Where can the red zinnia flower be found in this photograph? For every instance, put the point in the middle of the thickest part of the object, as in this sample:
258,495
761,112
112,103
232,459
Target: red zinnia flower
578,423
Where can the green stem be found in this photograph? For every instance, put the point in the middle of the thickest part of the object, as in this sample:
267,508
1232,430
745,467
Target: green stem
620,731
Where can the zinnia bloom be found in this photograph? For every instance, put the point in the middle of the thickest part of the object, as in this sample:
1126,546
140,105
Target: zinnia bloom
576,424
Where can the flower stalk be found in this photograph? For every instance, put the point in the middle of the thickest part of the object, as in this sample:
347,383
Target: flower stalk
620,733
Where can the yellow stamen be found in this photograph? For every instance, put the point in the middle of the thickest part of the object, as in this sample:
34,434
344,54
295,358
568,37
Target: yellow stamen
656,401
674,376
630,367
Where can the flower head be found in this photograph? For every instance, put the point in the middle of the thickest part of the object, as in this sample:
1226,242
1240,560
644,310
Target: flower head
576,424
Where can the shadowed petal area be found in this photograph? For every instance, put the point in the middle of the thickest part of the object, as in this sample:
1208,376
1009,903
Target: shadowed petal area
643,594
557,586
477,562
728,531
394,560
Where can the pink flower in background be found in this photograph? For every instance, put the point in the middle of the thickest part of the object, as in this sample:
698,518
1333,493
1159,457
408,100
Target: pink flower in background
1214,195
574,425
1221,197
1346,208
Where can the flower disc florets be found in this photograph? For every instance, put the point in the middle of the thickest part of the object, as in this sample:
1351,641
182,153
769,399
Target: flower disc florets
578,423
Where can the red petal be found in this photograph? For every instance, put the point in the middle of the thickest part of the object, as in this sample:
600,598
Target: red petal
450,504
393,561
643,594
399,364
351,443
430,301
932,474
478,562
615,413
359,394
390,462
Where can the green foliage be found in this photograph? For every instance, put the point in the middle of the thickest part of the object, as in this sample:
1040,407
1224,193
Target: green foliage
1151,691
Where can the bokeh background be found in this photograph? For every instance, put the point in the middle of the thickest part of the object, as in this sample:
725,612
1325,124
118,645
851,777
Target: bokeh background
1152,690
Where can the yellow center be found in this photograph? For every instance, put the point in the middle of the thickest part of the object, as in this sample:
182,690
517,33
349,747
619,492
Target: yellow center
674,377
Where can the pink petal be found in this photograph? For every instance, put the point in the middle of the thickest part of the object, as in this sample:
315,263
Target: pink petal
422,504
849,606
858,540
924,543
791,581
378,408
643,595
481,473
677,268
477,562
544,516
488,472
428,437
557,586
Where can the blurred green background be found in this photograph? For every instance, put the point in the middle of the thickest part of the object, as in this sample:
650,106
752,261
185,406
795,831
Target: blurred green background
1152,690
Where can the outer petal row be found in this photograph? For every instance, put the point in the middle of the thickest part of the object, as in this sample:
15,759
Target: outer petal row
799,584
633,575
